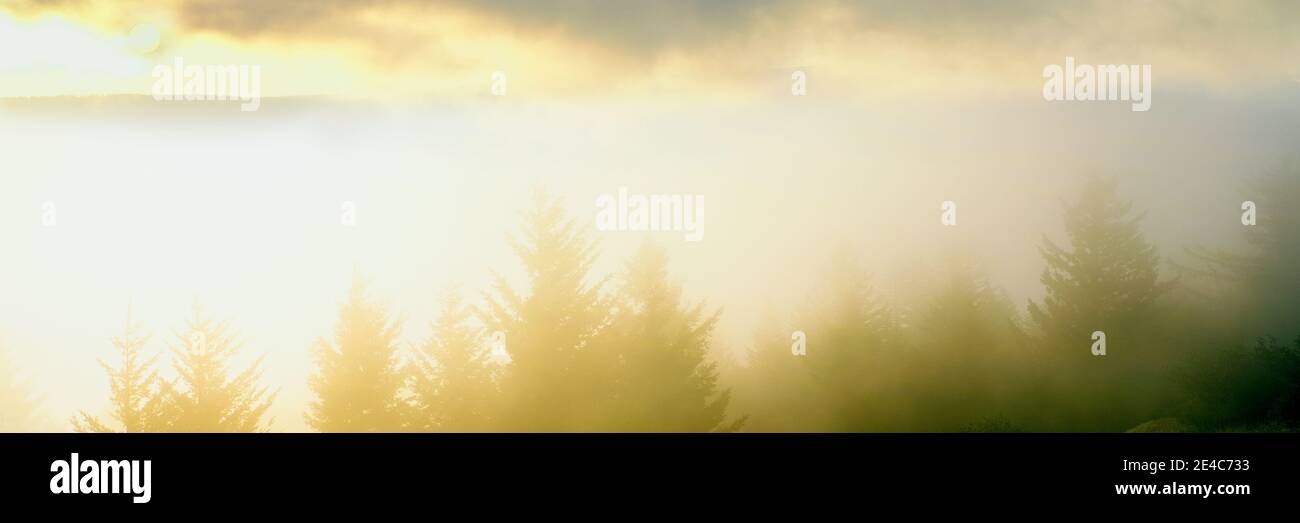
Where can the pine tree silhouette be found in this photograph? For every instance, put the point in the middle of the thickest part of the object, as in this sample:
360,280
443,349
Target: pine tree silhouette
667,381
561,374
854,349
1107,278
134,388
453,379
205,397
850,377
1256,288
775,388
358,378
969,360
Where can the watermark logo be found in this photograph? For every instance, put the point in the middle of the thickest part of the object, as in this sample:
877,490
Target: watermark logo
348,214
180,82
198,343
948,213
799,83
498,86
1098,83
655,212
102,477
49,214
799,343
1098,343
1248,213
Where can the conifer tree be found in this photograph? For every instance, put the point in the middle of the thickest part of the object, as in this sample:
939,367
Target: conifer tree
668,382
358,378
775,388
453,377
560,376
1108,277
854,349
969,360
1244,388
967,312
847,376
1255,288
1107,280
135,399
1249,296
206,397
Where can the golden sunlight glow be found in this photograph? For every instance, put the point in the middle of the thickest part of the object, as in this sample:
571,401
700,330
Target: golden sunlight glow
352,163
404,50
144,38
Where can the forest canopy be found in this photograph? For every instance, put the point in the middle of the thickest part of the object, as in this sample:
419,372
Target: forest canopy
1207,341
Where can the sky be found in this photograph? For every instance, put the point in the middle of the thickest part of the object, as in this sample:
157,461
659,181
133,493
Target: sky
587,49
388,105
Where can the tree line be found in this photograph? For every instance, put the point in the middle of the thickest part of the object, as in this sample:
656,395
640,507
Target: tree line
1204,342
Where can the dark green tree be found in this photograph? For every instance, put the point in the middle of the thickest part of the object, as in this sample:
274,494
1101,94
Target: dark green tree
1244,388
1239,378
1108,280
